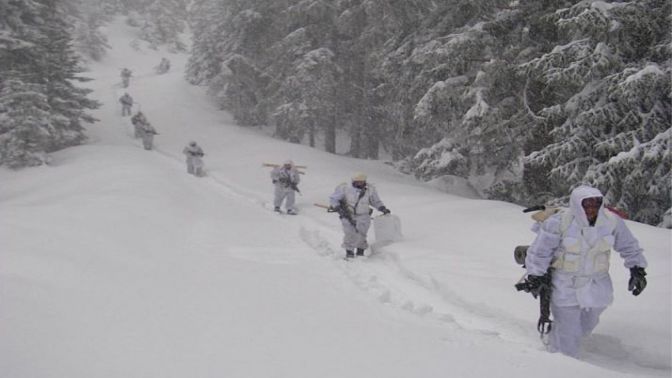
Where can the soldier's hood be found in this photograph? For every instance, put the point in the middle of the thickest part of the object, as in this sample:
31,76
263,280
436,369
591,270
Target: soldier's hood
579,194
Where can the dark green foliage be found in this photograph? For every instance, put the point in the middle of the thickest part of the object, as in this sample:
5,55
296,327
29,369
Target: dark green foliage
41,108
525,99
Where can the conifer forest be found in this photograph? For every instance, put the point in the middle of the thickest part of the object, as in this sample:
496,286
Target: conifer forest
522,99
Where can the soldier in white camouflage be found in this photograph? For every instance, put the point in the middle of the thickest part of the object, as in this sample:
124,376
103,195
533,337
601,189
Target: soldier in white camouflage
352,202
285,179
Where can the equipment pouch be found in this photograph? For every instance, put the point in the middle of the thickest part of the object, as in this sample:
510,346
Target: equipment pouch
602,254
570,258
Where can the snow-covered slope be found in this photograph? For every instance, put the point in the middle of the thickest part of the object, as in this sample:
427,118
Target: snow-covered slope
116,263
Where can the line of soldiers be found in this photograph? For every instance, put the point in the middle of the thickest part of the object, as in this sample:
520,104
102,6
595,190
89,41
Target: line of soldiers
126,74
351,201
574,244
143,129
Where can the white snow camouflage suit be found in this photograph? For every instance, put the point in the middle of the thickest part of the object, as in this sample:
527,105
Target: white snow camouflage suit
148,132
194,154
138,120
579,254
126,104
358,202
283,179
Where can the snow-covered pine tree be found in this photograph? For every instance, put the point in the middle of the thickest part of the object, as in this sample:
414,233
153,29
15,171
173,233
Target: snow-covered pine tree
87,17
303,76
60,69
207,21
164,21
309,99
458,78
25,127
40,108
606,90
464,93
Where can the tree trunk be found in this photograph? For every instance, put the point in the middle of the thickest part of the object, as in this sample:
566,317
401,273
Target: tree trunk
330,134
311,133
355,138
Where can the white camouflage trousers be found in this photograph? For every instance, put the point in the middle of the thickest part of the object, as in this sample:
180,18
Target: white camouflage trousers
195,166
280,194
148,140
354,238
570,325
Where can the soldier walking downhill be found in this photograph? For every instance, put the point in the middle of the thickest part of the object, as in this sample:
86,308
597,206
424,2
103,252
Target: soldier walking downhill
126,77
126,104
194,154
148,132
138,120
285,178
576,245
352,202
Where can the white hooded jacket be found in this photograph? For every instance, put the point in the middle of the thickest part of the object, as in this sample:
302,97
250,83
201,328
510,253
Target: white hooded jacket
358,200
580,252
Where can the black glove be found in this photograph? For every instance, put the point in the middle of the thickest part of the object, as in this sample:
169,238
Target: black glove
332,209
535,284
384,210
275,181
637,282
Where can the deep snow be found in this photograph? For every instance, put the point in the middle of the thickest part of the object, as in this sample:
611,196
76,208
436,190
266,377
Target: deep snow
116,263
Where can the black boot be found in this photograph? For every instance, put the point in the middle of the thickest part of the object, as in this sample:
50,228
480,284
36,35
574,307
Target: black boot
360,252
349,254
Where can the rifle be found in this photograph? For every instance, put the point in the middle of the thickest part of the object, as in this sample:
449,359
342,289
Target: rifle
294,187
289,183
544,288
342,211
543,291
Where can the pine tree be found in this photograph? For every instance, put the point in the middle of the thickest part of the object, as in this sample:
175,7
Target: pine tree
87,17
25,127
164,21
40,108
606,88
206,21
308,95
523,98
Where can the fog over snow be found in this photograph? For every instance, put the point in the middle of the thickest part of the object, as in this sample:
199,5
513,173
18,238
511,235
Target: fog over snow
114,262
